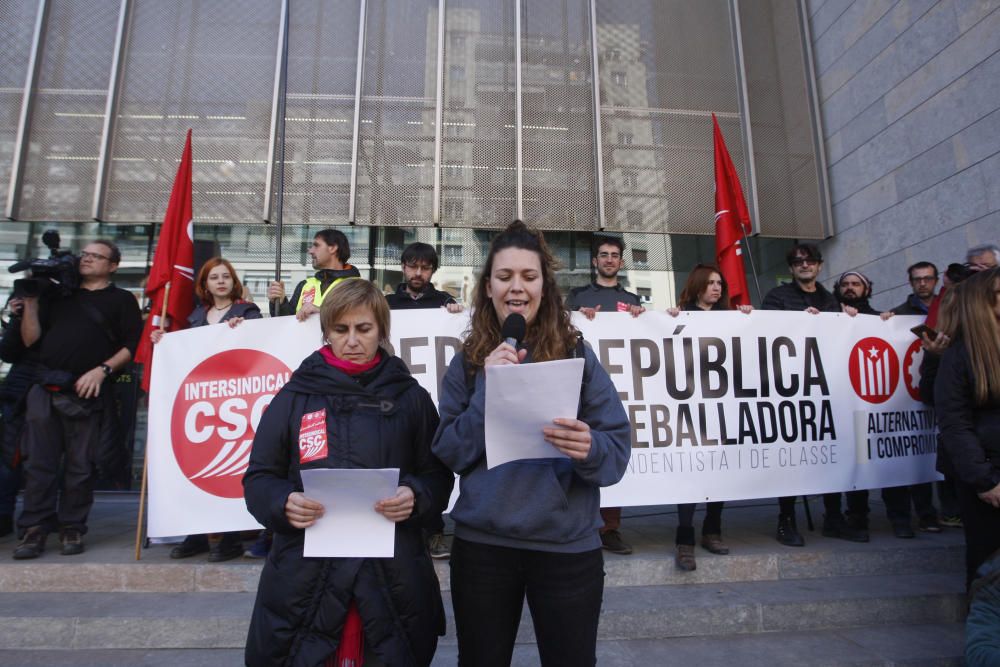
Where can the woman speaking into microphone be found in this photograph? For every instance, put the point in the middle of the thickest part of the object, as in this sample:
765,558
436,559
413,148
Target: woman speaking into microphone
527,528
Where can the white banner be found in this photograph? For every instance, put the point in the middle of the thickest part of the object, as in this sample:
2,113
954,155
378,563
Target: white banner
723,406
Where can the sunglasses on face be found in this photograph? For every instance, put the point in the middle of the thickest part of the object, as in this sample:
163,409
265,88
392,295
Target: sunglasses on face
804,261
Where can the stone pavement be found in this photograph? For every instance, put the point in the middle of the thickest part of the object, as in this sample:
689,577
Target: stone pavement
889,602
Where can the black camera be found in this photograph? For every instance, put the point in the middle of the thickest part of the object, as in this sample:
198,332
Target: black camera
59,271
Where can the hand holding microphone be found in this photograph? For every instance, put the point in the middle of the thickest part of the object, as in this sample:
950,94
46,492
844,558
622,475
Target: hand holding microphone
513,331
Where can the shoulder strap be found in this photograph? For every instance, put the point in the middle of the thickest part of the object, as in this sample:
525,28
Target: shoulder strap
98,318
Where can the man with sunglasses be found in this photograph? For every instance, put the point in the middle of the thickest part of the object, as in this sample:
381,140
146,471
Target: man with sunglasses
83,337
606,294
804,293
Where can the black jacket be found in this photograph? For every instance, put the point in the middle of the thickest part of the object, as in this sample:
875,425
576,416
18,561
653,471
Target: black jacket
382,419
970,434
244,309
430,298
789,296
912,306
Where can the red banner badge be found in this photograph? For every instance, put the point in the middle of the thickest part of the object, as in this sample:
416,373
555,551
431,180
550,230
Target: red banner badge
874,369
218,407
312,436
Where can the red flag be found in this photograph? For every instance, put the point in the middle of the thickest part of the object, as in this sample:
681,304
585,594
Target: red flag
730,214
173,265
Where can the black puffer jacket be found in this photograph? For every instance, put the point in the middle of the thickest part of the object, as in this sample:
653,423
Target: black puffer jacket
381,419
789,296
970,434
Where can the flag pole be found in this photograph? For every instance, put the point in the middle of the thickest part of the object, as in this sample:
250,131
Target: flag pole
753,267
145,454
279,196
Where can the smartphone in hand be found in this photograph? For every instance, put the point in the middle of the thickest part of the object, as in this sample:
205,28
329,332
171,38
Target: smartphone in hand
922,329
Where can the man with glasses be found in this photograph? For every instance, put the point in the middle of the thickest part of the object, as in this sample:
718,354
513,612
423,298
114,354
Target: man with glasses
923,278
606,294
84,337
420,261
804,293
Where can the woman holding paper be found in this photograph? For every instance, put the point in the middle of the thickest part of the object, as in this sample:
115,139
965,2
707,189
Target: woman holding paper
528,528
704,290
967,405
351,404
220,296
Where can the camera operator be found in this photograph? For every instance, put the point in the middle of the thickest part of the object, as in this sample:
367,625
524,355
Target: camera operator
84,335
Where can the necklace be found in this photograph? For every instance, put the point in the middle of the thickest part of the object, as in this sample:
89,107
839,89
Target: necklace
226,307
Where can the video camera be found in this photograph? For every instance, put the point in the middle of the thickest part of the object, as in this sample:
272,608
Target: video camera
58,271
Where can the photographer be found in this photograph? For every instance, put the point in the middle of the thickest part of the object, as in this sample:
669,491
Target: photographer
84,335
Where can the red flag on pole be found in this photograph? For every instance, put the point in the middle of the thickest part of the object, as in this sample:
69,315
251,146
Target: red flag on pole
171,278
732,219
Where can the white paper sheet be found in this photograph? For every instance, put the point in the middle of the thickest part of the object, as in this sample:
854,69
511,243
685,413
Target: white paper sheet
350,527
521,400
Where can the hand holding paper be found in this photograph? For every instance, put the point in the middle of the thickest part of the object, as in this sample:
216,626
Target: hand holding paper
300,511
399,507
569,436
351,525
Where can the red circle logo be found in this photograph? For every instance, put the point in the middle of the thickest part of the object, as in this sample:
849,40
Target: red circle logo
216,413
911,369
874,370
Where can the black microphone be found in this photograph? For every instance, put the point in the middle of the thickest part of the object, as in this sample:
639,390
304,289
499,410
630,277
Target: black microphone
513,330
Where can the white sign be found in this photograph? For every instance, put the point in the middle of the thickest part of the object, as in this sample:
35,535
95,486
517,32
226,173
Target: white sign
722,405
350,527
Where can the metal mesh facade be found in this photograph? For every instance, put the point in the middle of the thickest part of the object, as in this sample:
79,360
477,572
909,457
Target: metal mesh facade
629,150
68,113
478,153
558,116
208,66
657,96
788,192
17,24
322,61
396,143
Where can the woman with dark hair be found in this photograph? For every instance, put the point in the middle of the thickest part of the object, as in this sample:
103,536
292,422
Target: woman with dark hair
967,405
706,289
371,414
220,296
528,528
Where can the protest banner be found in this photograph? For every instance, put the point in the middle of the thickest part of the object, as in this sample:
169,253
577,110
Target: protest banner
723,406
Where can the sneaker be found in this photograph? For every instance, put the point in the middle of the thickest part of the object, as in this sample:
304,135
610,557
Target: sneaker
835,525
440,546
788,533
685,558
260,547
72,542
228,547
930,525
32,545
613,542
713,543
951,521
191,546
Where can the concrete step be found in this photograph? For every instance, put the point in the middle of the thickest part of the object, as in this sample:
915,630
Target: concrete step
652,565
219,620
926,645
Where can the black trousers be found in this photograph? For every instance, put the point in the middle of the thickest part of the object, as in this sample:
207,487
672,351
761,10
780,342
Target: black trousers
51,439
981,522
857,503
685,521
488,588
897,501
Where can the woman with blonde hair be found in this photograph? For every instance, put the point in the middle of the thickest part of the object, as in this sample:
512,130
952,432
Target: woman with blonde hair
967,404
527,529
366,411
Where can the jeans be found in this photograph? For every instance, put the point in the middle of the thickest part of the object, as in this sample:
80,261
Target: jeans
857,504
897,502
488,588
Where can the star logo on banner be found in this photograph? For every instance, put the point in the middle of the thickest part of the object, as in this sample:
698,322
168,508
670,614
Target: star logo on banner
873,352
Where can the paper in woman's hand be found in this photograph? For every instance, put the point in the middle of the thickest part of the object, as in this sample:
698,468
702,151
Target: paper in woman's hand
350,527
524,398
